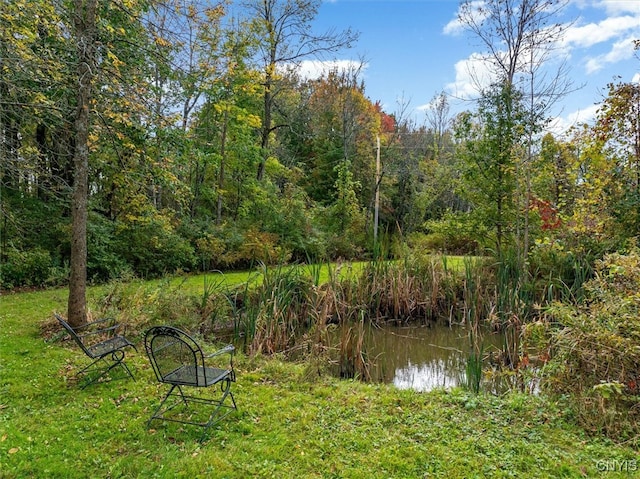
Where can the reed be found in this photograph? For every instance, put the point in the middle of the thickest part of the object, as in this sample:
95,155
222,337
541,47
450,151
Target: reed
280,307
353,361
323,312
474,370
509,307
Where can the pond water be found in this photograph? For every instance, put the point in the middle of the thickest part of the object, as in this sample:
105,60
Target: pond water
423,357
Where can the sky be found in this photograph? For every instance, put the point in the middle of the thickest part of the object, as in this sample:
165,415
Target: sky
415,49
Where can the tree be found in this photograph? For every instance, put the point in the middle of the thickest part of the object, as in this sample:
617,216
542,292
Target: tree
439,120
556,176
618,128
488,149
285,38
520,37
84,16
344,124
35,131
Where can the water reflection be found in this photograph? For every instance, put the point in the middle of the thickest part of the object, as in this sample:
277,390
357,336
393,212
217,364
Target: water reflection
420,357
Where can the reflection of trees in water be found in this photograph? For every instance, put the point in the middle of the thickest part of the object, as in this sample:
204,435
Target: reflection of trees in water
424,377
421,358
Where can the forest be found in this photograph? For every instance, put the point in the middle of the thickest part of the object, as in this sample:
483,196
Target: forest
205,150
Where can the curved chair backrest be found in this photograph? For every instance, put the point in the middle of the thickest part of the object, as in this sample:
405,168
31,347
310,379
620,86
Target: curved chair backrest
72,333
171,350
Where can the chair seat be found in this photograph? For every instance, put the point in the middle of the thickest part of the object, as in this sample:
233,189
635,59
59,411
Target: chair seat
108,346
196,375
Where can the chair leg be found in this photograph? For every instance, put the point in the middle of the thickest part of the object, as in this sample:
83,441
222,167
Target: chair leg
157,414
215,416
88,369
117,358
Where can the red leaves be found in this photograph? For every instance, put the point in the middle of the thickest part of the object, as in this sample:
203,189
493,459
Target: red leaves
548,213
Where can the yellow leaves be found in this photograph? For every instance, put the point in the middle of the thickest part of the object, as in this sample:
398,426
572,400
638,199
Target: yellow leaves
254,121
215,14
162,42
39,98
114,59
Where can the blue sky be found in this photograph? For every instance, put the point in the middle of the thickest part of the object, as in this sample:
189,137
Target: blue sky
413,50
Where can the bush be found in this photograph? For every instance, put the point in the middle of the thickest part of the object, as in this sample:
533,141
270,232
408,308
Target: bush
596,354
104,261
25,268
261,247
454,234
557,270
153,248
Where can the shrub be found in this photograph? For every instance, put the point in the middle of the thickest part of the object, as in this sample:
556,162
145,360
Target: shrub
152,247
104,262
262,247
25,268
558,270
454,234
596,354
210,249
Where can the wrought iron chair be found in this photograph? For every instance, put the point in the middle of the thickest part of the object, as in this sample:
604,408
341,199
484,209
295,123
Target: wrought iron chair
178,360
101,343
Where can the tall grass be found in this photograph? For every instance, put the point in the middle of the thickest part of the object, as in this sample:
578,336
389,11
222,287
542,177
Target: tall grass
280,309
474,320
474,370
293,311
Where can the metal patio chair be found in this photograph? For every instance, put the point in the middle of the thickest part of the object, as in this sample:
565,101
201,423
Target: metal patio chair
101,343
178,361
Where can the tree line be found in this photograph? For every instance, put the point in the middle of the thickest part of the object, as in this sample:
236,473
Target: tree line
179,136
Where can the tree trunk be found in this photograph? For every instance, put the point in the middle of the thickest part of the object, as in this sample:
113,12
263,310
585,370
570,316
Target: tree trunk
85,24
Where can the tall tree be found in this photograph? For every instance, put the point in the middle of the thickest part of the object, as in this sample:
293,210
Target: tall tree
84,20
520,37
618,128
490,145
344,127
285,38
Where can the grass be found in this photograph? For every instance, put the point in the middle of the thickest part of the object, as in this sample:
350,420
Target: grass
288,425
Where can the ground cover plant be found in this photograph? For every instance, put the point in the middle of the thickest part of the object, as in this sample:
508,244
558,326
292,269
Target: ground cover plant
289,424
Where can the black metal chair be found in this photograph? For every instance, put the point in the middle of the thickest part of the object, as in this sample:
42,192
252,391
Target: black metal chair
178,360
101,343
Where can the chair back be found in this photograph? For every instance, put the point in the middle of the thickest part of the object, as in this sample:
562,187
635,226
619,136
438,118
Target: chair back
171,350
72,333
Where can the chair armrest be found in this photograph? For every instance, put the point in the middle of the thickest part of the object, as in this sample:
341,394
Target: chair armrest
112,327
230,348
97,321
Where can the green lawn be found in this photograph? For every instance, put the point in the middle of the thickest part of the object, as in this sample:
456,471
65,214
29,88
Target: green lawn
288,425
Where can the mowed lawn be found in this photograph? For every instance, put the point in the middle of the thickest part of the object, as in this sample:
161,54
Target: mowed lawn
291,422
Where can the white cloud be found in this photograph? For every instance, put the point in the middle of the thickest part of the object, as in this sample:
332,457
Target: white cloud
616,7
472,75
620,51
593,33
611,7
560,125
455,27
312,69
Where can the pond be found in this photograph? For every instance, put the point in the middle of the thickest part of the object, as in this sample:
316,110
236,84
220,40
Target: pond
423,357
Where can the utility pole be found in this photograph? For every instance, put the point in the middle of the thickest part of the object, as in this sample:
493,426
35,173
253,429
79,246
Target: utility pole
377,200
